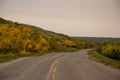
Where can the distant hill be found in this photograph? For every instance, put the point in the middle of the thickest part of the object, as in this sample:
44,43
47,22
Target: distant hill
97,39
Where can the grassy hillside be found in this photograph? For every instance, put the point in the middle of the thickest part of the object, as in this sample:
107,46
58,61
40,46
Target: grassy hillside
40,30
23,39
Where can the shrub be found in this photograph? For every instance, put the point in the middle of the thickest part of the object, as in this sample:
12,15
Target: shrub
111,50
23,52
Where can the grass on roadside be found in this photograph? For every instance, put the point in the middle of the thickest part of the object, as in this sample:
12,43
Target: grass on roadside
9,57
94,55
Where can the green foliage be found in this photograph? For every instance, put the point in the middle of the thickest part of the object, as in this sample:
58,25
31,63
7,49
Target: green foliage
82,44
111,50
93,54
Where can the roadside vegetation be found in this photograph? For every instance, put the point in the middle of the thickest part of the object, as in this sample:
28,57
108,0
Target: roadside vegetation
94,55
107,53
111,50
19,40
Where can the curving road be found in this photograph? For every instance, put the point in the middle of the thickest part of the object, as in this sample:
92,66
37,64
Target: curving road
62,66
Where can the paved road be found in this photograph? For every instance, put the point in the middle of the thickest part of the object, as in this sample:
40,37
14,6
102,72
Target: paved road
62,66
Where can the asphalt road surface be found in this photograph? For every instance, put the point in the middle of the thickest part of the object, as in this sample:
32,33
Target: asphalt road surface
57,66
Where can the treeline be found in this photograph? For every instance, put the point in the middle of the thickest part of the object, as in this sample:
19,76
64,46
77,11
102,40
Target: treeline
111,50
98,39
82,44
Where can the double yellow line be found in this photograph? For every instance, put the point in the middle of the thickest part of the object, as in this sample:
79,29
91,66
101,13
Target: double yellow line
52,71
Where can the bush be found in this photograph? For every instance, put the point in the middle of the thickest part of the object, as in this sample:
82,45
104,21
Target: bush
111,50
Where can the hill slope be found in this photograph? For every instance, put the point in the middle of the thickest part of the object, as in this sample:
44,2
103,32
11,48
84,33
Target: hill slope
41,31
22,38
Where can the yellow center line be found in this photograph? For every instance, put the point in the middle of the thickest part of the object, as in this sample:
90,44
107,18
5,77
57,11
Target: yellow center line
53,77
52,69
57,62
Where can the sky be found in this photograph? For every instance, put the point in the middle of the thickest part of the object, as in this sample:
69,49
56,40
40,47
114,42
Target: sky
91,18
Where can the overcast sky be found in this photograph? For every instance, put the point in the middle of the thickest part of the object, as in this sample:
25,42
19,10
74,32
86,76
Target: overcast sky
98,18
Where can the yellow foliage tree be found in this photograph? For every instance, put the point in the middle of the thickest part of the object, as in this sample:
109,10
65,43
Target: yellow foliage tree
38,47
43,42
69,43
44,49
23,52
107,50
